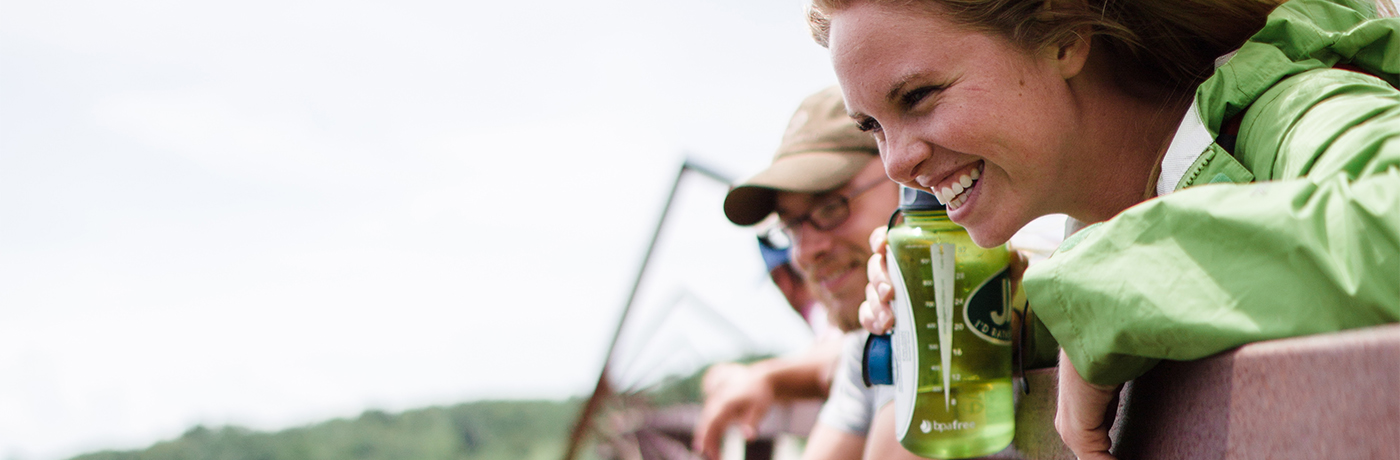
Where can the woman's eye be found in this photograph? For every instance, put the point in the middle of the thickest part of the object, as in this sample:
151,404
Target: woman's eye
868,124
912,98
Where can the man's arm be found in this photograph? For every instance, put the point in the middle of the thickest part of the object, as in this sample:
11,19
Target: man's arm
881,444
828,443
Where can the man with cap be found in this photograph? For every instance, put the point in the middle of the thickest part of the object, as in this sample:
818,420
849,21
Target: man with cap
774,247
829,191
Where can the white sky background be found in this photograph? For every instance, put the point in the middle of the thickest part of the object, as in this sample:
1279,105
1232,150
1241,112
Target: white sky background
271,213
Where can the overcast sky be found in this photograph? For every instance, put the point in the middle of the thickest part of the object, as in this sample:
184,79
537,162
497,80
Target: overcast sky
271,213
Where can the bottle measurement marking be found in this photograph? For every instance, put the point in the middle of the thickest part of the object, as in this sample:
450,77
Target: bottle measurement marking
956,377
943,266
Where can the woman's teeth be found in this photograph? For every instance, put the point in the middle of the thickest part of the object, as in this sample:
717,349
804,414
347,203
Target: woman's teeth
952,195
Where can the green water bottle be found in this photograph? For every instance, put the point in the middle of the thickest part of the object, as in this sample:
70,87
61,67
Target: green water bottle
951,342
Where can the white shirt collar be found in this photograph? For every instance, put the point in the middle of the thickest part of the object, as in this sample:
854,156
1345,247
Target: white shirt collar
1189,143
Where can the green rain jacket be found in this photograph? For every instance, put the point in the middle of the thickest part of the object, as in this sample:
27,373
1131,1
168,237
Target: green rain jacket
1293,231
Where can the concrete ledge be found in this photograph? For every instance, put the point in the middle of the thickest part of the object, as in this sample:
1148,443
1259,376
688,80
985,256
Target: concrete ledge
1323,396
1327,396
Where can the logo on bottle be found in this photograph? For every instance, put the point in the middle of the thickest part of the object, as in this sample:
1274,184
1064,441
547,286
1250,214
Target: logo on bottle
955,425
987,311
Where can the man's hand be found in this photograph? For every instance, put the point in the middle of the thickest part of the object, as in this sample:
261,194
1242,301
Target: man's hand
1084,414
737,393
733,393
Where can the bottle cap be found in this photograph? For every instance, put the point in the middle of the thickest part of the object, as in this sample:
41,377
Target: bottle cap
877,365
912,199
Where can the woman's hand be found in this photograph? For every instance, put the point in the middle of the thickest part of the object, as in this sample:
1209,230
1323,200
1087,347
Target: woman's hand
876,315
1084,414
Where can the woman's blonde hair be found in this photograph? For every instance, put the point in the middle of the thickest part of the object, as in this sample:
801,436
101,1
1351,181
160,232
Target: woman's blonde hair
1171,42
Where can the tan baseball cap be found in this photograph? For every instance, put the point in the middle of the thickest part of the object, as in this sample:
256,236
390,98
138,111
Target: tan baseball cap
821,150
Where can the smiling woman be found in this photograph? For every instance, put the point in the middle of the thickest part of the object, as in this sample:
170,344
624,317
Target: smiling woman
921,74
927,102
1112,112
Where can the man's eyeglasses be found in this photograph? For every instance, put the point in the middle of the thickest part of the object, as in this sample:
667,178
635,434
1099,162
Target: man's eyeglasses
826,215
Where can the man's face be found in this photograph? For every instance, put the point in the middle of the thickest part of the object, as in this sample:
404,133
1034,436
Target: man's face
833,261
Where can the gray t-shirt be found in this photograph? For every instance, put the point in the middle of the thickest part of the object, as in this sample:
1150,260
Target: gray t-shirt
851,405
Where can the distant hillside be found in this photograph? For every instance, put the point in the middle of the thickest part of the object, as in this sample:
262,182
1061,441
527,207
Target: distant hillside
489,430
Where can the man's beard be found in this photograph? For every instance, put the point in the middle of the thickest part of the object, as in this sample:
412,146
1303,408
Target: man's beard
843,307
844,317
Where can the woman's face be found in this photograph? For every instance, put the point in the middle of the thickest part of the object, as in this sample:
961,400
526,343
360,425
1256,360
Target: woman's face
969,116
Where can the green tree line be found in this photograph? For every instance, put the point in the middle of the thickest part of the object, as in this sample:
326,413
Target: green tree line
486,430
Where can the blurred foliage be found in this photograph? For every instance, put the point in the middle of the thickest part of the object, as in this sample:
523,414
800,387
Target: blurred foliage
675,390
684,389
487,430
484,430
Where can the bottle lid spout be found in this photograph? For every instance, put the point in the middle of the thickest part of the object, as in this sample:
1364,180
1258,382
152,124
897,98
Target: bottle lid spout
912,199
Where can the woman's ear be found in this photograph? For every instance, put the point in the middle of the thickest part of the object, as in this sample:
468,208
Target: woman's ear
1072,51
1071,56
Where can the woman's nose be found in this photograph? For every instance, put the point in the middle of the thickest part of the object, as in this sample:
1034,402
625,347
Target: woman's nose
901,155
